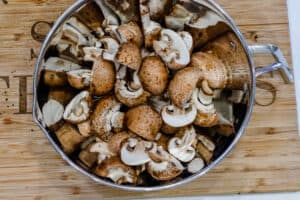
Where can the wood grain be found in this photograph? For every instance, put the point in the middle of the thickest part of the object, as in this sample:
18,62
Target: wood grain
267,158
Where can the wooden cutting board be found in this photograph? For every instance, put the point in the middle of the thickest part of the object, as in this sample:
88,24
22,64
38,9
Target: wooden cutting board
267,159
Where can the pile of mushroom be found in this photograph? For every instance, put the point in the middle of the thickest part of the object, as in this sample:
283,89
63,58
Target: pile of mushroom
137,91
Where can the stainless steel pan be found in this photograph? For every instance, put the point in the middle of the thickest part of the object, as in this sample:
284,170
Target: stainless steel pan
280,64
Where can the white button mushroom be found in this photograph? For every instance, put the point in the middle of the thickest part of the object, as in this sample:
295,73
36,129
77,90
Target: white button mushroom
78,110
172,49
181,148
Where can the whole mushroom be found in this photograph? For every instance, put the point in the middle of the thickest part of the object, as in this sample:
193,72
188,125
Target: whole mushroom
103,77
143,121
154,75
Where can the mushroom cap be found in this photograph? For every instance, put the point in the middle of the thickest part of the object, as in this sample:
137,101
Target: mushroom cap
69,138
131,32
63,95
162,140
114,169
172,49
55,79
79,79
103,77
128,96
206,112
52,112
163,165
154,75
181,148
101,119
78,110
87,158
116,141
182,85
134,152
145,125
129,54
176,117
212,69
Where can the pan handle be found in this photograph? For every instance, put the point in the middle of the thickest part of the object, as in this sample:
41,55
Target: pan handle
281,63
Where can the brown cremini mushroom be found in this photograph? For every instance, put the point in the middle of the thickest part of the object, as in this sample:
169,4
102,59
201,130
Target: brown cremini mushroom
205,148
182,85
129,54
154,75
168,130
85,128
79,79
131,32
62,95
103,77
69,138
143,121
116,141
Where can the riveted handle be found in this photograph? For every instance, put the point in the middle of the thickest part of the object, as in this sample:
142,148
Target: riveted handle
280,62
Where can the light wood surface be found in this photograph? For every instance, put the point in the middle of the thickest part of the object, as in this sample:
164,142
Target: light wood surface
267,158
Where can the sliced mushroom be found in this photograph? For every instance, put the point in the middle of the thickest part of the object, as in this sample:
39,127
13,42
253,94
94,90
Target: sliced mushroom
195,165
85,128
130,93
62,95
126,10
178,17
143,121
181,148
108,14
107,116
87,157
78,110
163,166
102,149
205,148
116,141
110,48
79,79
69,138
55,71
225,124
103,77
52,112
92,53
159,102
172,49
182,85
151,28
131,32
188,40
157,8
229,49
206,112
154,75
214,73
162,140
134,152
129,54
205,27
114,169
177,117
